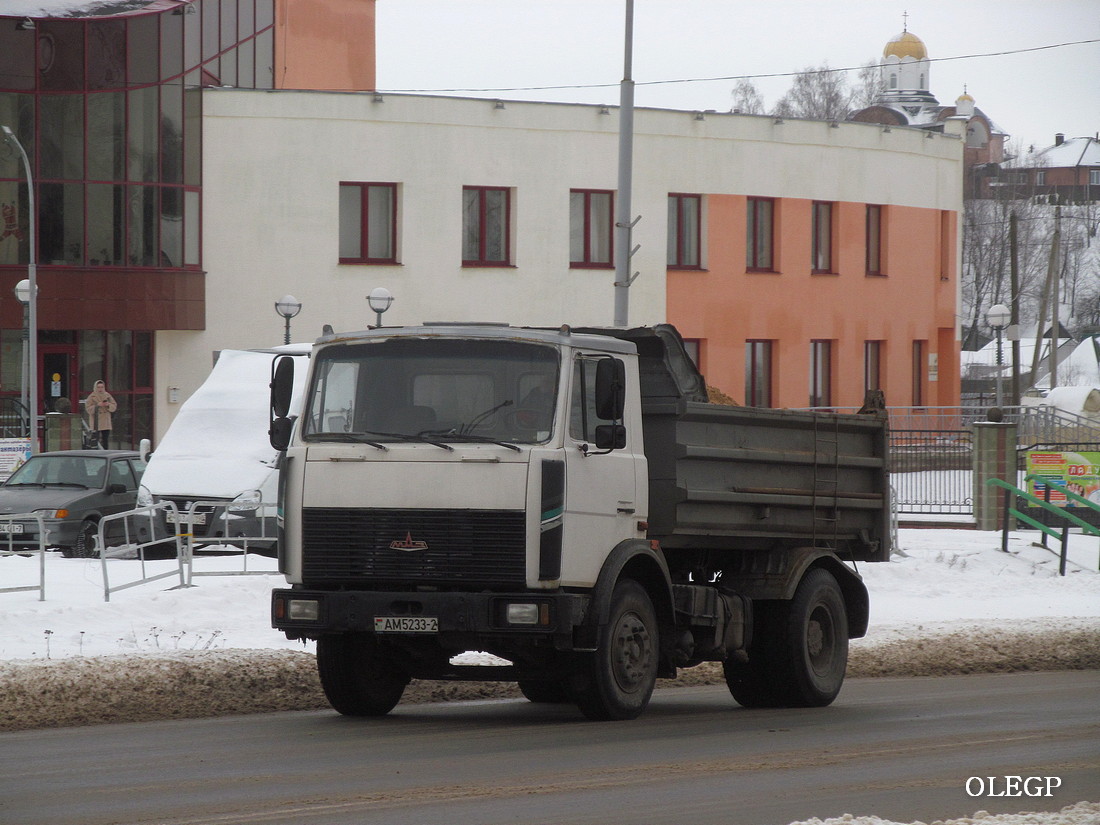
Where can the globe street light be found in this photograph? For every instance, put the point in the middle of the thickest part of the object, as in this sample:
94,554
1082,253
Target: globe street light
998,317
288,306
31,301
379,300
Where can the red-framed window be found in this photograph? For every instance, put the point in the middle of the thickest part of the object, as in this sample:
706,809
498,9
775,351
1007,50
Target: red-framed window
368,223
486,225
874,240
821,373
758,373
919,356
685,221
760,235
822,240
872,365
591,233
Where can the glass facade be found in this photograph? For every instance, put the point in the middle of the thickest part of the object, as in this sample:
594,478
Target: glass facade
108,110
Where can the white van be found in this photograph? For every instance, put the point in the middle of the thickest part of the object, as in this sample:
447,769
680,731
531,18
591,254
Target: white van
217,450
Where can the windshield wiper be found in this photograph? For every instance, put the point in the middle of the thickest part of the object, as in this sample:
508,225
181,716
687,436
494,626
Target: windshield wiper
66,484
420,437
25,484
355,438
482,439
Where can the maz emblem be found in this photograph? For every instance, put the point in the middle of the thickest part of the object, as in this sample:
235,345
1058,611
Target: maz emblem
408,544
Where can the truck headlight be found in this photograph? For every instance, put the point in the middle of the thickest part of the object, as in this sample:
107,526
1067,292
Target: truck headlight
303,610
527,613
246,502
144,497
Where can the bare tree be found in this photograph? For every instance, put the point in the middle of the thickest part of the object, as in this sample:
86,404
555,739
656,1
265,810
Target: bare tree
869,85
747,99
818,93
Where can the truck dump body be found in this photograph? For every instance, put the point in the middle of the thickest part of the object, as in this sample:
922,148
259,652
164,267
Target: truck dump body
752,478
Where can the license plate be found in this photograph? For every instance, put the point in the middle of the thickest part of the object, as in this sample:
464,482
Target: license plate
196,518
11,527
406,624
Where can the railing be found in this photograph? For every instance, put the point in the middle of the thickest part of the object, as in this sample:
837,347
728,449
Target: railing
7,548
1060,512
255,532
130,529
13,418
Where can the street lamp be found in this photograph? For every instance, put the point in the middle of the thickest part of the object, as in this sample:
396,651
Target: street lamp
23,295
288,306
998,317
379,300
31,301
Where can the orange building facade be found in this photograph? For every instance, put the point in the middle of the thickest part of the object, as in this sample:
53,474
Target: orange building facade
876,312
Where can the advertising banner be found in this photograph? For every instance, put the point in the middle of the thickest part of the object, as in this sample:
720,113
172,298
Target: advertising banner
13,452
1079,472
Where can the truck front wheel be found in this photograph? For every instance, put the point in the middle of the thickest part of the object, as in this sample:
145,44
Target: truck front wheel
617,680
358,679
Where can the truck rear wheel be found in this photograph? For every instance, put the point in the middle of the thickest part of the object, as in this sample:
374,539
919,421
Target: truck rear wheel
799,652
617,680
358,679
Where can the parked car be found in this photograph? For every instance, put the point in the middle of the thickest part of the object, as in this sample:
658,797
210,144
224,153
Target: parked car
72,490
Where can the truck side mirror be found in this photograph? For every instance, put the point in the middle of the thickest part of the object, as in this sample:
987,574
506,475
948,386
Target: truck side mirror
610,437
610,389
282,390
282,386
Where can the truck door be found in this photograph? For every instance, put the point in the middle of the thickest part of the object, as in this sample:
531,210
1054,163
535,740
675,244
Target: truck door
600,488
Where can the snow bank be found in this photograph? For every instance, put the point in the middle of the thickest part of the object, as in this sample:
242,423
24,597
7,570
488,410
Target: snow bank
1083,813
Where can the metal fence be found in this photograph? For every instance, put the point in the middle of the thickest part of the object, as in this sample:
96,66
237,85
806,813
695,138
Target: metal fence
931,450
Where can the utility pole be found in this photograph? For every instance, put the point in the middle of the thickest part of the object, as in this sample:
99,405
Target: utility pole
624,221
1055,254
1014,305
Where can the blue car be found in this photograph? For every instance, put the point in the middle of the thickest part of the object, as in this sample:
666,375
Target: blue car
72,491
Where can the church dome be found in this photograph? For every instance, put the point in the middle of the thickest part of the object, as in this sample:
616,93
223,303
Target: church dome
906,44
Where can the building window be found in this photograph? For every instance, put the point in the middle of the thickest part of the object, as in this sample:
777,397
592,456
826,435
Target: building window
759,230
821,373
1041,177
918,373
590,228
1094,177
874,240
758,373
684,230
822,244
485,225
368,223
872,365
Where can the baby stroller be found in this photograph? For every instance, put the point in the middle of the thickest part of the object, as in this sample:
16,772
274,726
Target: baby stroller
89,436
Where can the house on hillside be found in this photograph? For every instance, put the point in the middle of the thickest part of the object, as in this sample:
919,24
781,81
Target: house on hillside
1067,172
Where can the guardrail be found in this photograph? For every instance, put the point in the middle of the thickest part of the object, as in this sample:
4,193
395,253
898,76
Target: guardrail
7,548
130,530
242,528
1060,512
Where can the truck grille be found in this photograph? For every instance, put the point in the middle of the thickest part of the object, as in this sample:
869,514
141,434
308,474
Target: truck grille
391,546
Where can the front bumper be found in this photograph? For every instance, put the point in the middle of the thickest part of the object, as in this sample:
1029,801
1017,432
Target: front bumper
460,617
59,533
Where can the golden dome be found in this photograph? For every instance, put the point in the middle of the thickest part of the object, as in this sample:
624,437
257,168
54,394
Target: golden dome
906,44
964,97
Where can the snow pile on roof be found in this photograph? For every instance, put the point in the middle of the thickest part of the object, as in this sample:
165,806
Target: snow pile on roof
70,8
1078,151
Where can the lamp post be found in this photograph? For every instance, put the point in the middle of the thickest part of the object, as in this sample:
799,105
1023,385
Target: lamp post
288,306
379,299
31,302
23,295
998,316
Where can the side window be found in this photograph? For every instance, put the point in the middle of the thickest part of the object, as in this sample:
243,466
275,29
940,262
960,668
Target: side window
582,403
120,474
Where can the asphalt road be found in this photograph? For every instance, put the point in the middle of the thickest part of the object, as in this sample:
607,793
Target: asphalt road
902,749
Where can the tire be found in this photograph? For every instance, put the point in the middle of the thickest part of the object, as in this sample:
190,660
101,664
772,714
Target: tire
545,692
616,681
357,677
799,652
85,546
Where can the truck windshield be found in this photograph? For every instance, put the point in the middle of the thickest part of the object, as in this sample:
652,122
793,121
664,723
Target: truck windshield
435,390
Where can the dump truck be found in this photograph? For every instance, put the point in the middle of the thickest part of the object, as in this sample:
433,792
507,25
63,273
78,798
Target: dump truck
568,501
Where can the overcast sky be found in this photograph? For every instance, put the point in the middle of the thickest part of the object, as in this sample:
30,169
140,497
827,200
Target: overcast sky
436,45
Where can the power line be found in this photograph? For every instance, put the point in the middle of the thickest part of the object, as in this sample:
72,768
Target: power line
737,76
